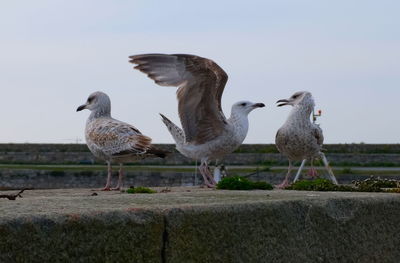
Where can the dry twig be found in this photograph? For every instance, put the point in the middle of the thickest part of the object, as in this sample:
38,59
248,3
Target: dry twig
13,197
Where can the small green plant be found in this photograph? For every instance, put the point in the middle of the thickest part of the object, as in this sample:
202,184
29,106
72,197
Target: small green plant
234,183
140,190
242,183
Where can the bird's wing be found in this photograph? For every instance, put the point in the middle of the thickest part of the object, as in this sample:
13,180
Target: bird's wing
201,83
116,138
280,139
319,136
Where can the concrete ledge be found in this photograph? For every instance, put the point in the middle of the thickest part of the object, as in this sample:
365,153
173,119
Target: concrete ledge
102,237
200,226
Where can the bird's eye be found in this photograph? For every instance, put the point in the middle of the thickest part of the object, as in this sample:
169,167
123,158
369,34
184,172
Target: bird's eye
90,99
243,104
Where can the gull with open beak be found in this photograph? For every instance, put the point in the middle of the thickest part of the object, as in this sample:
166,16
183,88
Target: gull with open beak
299,139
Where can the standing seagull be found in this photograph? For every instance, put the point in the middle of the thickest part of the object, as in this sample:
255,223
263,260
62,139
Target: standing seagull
206,134
113,140
299,138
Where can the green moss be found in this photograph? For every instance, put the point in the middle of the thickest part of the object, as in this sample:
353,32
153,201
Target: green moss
375,184
318,185
393,190
242,183
140,190
369,185
234,183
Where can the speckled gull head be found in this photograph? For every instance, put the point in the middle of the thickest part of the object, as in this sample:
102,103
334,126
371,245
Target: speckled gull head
300,98
97,102
245,107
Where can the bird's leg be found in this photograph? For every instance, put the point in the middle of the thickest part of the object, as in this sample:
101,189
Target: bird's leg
285,182
299,171
328,168
209,175
120,178
202,169
312,172
107,187
217,172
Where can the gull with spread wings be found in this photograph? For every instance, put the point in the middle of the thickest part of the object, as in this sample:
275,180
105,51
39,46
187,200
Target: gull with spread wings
207,134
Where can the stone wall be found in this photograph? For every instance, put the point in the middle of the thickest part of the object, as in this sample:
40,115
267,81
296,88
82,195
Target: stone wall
238,158
56,179
245,148
200,226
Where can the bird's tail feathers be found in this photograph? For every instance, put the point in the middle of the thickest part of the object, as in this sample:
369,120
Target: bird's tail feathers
176,132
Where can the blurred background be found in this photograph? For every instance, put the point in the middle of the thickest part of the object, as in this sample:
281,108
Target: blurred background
55,53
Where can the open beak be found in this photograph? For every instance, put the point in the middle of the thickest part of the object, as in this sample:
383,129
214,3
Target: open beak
282,102
258,105
82,107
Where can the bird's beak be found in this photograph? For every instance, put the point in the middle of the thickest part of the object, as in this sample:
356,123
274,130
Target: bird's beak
282,102
82,107
258,105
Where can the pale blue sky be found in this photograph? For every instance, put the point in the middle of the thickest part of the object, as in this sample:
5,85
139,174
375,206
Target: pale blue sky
55,53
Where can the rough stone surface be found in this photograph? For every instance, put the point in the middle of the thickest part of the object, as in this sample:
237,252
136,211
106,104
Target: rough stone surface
99,237
293,231
200,225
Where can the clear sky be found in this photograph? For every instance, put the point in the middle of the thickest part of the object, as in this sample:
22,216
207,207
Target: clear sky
55,53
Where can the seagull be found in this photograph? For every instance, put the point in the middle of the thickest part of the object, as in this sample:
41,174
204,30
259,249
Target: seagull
299,138
206,133
113,140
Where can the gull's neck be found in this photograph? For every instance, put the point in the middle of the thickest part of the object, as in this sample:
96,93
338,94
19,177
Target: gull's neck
300,113
240,124
99,113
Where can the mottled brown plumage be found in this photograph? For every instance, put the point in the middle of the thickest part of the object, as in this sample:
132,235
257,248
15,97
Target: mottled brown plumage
114,137
201,83
298,138
113,140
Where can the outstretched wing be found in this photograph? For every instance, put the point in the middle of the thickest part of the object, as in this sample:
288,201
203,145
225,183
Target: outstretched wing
116,138
201,83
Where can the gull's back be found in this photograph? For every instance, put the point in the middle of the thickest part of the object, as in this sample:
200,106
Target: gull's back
113,140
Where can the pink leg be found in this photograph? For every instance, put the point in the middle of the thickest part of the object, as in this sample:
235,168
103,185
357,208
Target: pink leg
203,172
285,182
210,176
312,172
120,179
107,187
